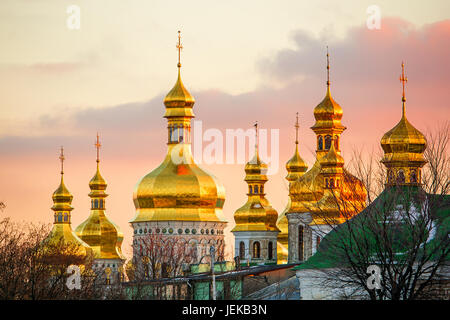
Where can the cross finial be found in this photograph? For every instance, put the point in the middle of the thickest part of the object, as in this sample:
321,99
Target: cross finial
328,68
97,146
179,47
296,129
62,158
403,80
256,134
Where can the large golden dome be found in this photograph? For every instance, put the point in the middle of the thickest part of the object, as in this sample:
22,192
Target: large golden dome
100,233
179,190
257,213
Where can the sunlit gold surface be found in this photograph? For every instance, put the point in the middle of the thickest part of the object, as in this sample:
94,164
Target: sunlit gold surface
309,193
296,168
179,192
403,147
256,214
101,234
61,233
178,189
403,143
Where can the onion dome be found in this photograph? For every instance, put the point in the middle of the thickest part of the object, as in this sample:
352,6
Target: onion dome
332,162
61,233
100,233
257,213
179,190
403,148
295,167
328,113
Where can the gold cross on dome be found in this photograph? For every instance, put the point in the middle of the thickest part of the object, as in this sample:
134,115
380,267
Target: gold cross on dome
296,129
403,80
97,146
62,158
179,47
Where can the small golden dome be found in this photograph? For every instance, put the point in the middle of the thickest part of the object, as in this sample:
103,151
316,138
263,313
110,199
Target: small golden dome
328,113
256,214
179,101
61,237
332,160
403,143
62,198
101,234
97,183
295,166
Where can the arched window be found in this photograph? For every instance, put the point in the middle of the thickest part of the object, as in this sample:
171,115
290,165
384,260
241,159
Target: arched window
390,176
60,217
413,176
320,143
300,242
401,177
256,189
270,250
65,217
180,138
331,183
261,189
327,142
250,189
242,250
256,250
96,204
326,183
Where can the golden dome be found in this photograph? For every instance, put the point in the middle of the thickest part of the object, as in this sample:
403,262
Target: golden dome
257,213
179,96
101,234
403,143
179,190
295,168
332,162
328,113
403,148
61,233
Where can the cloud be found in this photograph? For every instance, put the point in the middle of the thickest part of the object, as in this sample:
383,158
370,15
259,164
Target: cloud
367,55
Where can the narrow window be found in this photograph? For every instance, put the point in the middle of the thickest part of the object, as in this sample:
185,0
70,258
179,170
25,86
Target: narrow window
242,250
270,249
256,250
320,143
300,243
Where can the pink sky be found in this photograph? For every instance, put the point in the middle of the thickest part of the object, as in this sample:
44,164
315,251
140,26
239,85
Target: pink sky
365,67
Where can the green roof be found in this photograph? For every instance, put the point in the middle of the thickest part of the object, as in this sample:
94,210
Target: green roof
357,239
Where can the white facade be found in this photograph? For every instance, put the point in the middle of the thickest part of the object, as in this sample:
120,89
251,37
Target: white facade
200,235
256,247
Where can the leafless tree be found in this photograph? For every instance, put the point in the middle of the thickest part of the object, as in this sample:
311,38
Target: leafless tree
155,260
403,230
28,271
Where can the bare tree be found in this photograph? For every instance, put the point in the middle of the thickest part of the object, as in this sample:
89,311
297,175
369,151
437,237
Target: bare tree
29,270
157,258
404,230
